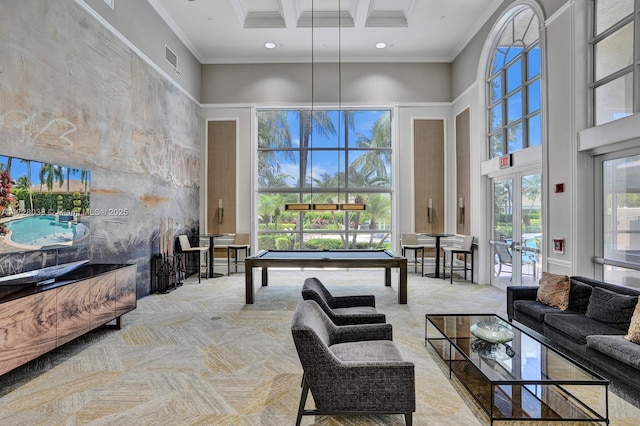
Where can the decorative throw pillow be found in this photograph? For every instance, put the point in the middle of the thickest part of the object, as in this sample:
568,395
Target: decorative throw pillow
554,290
633,335
579,296
611,308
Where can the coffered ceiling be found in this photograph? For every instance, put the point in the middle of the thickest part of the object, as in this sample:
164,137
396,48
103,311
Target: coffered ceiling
235,31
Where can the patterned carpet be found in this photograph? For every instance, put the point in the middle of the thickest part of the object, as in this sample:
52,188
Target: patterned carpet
200,356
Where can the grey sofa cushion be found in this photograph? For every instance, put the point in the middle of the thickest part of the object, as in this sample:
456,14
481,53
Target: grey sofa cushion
611,308
578,326
367,351
616,347
579,296
534,309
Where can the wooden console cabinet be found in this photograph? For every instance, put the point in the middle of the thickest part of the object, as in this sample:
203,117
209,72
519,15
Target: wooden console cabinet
37,319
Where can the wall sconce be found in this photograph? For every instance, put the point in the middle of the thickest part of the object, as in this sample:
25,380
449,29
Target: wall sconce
461,210
430,210
220,211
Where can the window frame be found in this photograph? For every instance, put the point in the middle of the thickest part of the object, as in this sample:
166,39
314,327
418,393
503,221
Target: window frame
526,116
633,68
599,257
346,150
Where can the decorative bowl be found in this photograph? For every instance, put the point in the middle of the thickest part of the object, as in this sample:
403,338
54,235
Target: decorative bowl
490,350
494,331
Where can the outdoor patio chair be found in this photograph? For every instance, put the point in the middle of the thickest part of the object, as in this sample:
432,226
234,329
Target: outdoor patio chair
504,258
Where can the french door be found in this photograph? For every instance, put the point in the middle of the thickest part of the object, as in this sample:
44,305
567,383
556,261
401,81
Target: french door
517,229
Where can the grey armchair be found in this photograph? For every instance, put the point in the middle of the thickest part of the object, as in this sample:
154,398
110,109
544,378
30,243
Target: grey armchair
343,310
351,369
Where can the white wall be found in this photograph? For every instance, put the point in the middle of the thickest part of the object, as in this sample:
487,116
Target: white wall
233,92
291,83
403,151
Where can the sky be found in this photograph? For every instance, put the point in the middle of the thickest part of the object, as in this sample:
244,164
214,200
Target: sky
330,162
19,168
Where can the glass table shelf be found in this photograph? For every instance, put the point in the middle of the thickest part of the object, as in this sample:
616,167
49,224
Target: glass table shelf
513,376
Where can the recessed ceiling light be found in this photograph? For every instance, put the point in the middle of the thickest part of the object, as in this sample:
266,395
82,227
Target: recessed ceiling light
270,45
381,45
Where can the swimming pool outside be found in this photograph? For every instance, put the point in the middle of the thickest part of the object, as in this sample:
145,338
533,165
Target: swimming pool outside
41,230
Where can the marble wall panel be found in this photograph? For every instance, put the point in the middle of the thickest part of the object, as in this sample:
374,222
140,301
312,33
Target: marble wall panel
73,93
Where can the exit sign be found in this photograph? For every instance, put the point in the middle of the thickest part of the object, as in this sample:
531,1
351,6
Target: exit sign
505,161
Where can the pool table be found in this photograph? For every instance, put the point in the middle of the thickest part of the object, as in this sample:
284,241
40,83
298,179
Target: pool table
326,258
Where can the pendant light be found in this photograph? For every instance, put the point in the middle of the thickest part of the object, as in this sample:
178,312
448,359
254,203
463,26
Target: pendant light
300,207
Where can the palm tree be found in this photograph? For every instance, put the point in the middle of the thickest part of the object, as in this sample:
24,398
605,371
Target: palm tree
273,132
377,208
84,178
28,162
69,171
50,173
22,183
9,161
376,160
313,122
532,188
365,179
269,177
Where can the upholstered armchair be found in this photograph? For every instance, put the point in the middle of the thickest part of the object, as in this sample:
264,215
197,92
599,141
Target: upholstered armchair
351,369
343,310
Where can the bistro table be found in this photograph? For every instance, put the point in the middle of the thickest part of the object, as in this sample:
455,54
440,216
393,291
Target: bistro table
212,239
437,236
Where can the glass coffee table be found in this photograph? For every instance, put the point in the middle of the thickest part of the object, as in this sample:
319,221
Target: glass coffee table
514,376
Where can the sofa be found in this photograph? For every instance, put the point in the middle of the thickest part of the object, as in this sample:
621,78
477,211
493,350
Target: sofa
590,330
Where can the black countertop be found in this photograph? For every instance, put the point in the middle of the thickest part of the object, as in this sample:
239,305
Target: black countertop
90,270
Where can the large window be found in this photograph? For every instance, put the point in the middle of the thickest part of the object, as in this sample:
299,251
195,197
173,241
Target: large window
621,217
513,87
614,67
324,157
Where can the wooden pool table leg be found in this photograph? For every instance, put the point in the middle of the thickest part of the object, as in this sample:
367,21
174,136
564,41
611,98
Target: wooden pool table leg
248,284
387,277
402,285
265,277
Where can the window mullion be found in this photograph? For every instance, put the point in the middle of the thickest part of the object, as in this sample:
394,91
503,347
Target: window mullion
525,100
505,133
636,58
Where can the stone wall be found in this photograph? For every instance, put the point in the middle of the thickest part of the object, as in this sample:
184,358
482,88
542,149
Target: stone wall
73,93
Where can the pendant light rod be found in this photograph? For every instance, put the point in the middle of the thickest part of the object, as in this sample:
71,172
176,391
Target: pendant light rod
311,206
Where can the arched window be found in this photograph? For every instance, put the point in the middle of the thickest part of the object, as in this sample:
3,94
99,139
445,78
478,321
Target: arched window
514,97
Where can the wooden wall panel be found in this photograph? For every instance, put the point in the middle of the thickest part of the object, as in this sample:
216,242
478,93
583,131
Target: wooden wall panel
221,176
463,172
428,157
